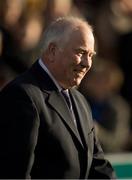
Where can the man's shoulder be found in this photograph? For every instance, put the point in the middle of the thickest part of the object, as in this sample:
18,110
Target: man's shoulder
22,83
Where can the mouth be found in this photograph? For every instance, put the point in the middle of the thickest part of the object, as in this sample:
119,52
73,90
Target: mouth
79,73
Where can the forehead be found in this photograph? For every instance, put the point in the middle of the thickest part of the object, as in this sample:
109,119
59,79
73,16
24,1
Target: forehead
82,37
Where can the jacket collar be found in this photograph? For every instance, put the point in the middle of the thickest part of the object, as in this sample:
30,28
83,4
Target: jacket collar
44,80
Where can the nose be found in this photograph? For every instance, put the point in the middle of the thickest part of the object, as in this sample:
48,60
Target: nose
86,62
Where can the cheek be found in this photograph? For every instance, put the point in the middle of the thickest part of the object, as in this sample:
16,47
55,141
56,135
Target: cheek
76,60
68,64
65,68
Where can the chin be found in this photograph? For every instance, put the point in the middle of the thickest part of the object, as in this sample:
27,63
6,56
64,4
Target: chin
74,83
77,83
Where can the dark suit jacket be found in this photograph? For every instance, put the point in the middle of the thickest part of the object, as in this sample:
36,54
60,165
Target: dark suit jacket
38,137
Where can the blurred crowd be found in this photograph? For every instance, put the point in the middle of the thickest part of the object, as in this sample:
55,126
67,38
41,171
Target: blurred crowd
108,86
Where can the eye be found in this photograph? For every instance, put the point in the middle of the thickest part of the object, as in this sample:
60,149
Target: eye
91,54
80,52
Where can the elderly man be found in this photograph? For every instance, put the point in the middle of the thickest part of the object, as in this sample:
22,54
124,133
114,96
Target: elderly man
46,127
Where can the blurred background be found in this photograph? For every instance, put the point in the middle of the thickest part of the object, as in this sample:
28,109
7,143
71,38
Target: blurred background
107,87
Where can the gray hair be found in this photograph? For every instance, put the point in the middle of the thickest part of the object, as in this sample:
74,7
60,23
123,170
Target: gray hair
60,29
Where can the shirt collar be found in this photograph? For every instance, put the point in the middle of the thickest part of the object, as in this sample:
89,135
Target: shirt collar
41,63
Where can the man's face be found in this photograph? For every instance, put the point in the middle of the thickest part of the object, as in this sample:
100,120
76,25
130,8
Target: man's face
74,60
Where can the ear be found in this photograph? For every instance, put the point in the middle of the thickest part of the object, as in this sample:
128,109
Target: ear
52,49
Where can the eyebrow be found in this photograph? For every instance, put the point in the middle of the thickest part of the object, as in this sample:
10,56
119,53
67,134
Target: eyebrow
82,49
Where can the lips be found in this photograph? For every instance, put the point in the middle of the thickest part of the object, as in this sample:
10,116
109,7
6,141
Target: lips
79,73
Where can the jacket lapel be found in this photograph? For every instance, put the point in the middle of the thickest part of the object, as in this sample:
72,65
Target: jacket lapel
82,115
57,102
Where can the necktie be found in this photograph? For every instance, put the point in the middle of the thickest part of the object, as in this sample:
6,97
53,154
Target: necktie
66,95
67,98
